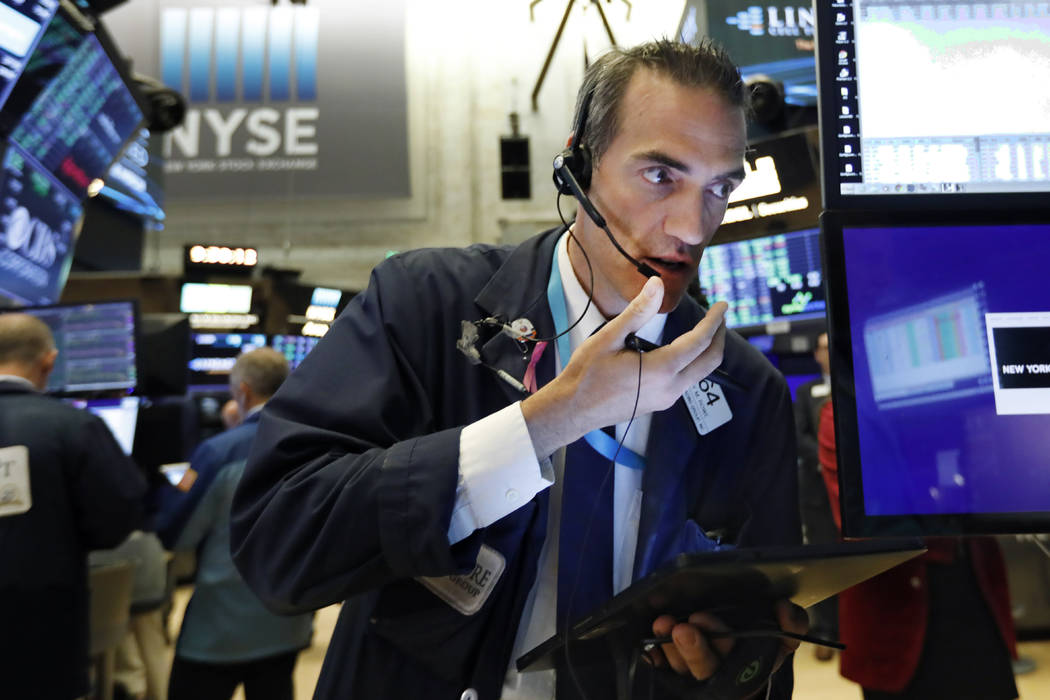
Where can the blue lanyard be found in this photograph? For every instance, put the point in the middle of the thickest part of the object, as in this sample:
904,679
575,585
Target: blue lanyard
601,441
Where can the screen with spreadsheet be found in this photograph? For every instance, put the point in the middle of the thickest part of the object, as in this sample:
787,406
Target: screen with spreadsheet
295,348
96,345
941,365
76,109
766,280
212,356
21,25
940,100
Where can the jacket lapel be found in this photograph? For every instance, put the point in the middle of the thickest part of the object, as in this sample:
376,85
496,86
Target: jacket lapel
519,290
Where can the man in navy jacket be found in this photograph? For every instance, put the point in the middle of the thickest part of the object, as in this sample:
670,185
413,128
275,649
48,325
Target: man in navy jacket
65,488
394,470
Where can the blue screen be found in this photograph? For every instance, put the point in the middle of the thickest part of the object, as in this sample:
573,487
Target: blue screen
950,331
21,24
295,348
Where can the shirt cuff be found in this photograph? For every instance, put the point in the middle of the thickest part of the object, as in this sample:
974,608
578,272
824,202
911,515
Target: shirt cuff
498,471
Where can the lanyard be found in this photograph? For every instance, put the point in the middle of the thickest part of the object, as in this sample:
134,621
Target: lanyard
601,441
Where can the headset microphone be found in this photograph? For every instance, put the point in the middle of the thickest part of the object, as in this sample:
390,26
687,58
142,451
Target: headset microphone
572,173
562,171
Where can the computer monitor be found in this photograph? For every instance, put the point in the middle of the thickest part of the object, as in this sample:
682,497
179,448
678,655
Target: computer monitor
39,221
212,356
940,105
96,345
21,25
120,415
207,298
766,280
774,40
132,183
76,105
940,338
294,347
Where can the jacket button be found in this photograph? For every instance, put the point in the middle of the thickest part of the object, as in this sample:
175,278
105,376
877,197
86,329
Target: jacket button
915,582
469,694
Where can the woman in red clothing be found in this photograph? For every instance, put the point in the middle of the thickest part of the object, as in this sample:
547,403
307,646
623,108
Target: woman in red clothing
937,626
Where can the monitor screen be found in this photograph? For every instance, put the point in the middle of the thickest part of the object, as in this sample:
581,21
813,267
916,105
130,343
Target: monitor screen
766,280
774,40
132,183
80,111
934,103
120,416
21,24
96,345
941,366
213,355
39,221
203,298
294,347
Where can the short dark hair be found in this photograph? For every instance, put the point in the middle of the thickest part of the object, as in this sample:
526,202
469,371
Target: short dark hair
24,339
704,64
263,369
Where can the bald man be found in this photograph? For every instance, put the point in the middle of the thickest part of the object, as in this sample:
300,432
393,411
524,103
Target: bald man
65,488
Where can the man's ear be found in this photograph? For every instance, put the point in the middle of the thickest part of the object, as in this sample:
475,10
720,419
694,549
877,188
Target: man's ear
47,362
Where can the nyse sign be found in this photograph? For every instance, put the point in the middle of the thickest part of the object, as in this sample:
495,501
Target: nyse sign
242,139
283,101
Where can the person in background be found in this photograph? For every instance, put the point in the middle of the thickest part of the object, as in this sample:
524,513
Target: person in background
66,488
937,626
818,525
227,636
254,378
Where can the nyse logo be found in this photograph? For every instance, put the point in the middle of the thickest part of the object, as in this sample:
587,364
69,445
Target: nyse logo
774,21
253,70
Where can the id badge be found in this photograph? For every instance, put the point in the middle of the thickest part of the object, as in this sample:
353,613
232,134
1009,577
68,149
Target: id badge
707,405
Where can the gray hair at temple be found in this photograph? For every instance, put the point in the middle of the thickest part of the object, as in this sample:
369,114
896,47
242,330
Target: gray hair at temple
24,339
263,370
704,64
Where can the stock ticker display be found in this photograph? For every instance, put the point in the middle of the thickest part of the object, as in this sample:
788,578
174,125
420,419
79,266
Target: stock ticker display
96,346
80,121
764,280
295,348
38,219
21,24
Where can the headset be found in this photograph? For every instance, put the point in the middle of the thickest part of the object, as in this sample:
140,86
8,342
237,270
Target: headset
572,176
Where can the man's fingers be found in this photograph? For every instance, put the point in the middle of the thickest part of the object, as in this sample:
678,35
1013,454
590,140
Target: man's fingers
641,309
791,618
709,358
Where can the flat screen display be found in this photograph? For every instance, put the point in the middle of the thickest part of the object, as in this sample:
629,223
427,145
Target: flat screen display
295,348
766,280
774,39
21,24
81,111
120,415
132,183
941,367
204,298
96,345
212,356
934,102
39,222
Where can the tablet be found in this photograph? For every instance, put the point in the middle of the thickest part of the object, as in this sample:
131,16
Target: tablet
729,580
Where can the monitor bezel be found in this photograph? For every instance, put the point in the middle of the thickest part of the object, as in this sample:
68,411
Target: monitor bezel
855,522
833,199
136,332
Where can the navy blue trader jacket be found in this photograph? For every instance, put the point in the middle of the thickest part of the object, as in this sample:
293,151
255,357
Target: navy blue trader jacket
352,478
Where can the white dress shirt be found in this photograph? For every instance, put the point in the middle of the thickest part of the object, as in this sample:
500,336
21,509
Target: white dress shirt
499,472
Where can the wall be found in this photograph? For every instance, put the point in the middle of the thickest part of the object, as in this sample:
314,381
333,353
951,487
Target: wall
470,63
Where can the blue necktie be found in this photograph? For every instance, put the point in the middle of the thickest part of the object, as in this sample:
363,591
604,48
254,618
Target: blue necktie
585,544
